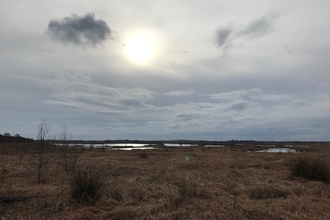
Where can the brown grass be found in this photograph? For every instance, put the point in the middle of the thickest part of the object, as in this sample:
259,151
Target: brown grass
217,183
311,168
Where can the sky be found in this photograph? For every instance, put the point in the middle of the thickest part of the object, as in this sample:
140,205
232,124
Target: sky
219,69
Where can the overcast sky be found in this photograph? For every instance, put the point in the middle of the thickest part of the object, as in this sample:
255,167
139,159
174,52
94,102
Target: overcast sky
220,69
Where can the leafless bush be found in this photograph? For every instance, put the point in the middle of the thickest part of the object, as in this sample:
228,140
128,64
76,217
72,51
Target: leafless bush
44,150
69,155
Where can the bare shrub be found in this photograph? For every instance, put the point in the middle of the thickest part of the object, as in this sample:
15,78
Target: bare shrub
44,150
69,161
69,155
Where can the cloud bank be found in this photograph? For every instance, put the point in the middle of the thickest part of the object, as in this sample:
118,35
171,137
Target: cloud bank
79,30
131,112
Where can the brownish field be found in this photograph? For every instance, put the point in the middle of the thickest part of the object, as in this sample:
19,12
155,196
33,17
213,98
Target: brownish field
215,183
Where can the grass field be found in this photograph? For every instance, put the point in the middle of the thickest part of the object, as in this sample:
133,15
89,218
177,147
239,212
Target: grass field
170,183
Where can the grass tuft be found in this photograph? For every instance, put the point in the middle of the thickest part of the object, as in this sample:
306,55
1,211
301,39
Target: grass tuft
143,155
87,187
116,193
267,192
137,193
189,189
311,169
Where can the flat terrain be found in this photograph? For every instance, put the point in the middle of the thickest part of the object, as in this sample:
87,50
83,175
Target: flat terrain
170,183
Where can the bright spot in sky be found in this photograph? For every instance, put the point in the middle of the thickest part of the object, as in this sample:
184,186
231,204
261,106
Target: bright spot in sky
139,48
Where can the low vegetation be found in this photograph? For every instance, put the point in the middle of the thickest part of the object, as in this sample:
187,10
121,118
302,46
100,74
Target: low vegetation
311,168
143,155
213,183
87,186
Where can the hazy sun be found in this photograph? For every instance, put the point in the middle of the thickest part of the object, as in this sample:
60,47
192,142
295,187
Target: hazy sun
139,48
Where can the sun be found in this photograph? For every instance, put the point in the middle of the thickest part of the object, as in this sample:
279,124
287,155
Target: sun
139,49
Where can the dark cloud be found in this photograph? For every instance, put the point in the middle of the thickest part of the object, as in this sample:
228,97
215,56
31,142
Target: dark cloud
222,36
259,27
79,30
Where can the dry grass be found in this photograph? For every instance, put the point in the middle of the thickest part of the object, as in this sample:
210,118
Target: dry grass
311,169
218,183
87,186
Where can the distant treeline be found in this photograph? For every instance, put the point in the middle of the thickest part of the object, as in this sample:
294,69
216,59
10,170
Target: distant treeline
194,142
7,138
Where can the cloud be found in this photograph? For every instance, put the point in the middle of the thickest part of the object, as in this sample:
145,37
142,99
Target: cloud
300,103
74,90
185,117
239,106
229,95
287,48
178,93
259,27
71,76
222,36
252,94
237,115
79,30
255,29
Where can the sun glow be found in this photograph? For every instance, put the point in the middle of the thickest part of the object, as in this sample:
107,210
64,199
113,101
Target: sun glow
139,49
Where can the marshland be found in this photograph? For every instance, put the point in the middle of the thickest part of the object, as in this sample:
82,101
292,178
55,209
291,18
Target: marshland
44,181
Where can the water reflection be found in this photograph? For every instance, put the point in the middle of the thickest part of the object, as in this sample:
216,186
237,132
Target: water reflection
134,146
179,145
277,150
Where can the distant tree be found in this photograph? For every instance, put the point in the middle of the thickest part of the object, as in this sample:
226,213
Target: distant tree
232,143
7,138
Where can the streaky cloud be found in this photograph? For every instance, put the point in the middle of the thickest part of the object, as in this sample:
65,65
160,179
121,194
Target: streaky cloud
259,27
239,106
179,93
300,103
251,94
